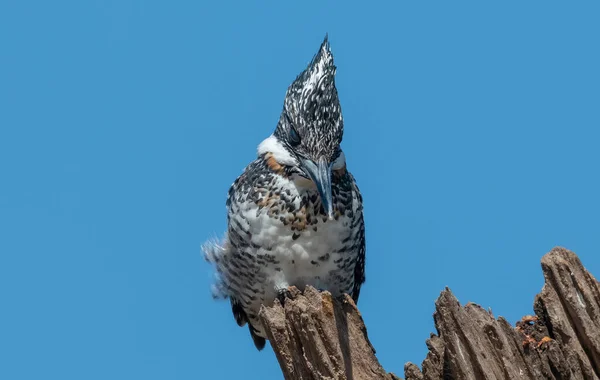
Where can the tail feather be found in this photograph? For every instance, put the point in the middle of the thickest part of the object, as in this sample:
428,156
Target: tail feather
238,312
242,318
259,341
217,253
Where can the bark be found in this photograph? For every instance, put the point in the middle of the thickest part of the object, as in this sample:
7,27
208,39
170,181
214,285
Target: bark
318,337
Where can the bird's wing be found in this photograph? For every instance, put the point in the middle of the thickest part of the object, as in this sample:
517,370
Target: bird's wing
238,237
359,267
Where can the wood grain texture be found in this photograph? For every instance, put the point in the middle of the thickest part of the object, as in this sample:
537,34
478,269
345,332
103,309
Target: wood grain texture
561,341
316,336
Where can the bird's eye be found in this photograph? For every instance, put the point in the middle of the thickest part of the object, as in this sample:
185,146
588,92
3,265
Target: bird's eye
294,136
326,115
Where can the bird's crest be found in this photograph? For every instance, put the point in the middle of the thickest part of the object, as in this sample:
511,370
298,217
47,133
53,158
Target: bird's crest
317,79
312,107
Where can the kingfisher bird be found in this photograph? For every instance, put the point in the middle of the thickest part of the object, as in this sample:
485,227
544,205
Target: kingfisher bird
295,215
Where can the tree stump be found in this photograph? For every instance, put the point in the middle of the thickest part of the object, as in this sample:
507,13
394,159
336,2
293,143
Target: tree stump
318,337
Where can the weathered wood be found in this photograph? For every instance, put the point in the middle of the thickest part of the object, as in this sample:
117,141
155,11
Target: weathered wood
561,341
318,337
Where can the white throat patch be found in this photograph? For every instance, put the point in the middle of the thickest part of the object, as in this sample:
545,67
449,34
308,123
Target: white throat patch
272,145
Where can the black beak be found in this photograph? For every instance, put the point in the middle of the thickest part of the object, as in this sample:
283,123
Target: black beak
320,173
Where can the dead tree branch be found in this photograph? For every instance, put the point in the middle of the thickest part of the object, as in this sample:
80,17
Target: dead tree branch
318,337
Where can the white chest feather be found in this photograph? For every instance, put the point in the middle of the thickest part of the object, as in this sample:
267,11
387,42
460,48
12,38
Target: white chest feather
305,253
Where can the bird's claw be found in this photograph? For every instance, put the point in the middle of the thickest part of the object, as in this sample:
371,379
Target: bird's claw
283,294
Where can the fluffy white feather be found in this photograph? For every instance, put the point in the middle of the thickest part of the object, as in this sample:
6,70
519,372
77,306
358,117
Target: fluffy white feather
272,145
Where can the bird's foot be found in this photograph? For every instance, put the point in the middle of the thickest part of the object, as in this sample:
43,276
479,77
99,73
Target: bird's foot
283,294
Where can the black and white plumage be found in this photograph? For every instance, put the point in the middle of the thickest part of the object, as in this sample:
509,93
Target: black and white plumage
295,215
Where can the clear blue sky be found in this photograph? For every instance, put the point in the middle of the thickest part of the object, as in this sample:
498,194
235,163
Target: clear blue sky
472,130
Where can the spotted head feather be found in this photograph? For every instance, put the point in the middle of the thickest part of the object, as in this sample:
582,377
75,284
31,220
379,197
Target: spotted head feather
311,122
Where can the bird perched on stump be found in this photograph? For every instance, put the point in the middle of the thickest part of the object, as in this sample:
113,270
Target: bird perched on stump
295,215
